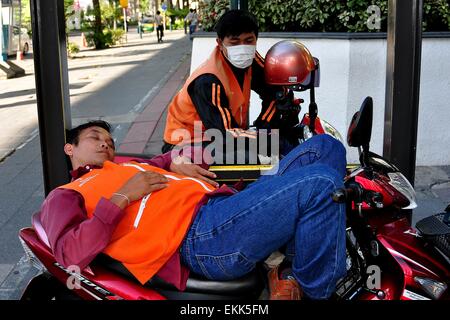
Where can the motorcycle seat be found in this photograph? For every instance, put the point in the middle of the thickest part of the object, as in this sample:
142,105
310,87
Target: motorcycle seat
197,287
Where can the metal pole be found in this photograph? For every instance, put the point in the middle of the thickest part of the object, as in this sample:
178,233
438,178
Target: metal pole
139,18
404,46
2,53
125,22
52,91
239,4
19,45
64,65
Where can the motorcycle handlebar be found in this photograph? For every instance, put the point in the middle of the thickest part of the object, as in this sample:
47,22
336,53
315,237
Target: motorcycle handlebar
341,195
354,192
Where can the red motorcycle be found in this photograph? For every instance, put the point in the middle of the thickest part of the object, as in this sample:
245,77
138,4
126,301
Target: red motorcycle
387,259
414,263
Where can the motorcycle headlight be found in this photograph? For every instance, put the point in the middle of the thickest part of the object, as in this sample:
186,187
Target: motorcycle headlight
329,129
402,185
434,288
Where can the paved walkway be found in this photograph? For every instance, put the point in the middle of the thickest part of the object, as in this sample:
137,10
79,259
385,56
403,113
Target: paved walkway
127,86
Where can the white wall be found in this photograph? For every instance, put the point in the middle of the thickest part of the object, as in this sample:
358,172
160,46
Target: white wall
354,69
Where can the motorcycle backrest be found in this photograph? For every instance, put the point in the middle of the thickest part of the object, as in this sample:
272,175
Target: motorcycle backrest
39,229
360,129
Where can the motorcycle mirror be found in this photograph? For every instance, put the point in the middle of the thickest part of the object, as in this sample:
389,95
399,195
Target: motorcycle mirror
360,129
315,74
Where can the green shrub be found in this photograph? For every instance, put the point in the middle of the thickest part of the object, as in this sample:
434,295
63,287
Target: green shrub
117,36
72,49
104,39
316,15
324,15
178,25
177,13
211,11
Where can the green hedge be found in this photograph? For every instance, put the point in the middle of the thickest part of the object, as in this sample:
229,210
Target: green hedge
325,15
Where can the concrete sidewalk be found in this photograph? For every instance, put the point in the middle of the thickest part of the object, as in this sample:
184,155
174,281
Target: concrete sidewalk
23,171
120,85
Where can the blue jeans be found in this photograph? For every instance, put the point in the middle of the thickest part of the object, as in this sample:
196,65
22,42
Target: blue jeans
292,207
192,28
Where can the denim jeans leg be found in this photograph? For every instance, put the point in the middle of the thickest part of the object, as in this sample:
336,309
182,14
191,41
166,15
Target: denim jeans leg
231,234
322,149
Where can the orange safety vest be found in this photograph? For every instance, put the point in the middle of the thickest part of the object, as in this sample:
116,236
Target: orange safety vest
153,227
182,112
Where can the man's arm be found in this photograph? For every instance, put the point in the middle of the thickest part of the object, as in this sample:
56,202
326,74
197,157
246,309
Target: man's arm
183,163
211,103
265,92
162,161
75,239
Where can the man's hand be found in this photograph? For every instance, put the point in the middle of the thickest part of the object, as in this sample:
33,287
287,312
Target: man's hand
241,133
183,165
138,186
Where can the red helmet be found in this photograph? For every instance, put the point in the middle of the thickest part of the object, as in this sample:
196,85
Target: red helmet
288,62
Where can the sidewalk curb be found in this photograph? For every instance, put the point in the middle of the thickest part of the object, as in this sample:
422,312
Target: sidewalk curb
12,288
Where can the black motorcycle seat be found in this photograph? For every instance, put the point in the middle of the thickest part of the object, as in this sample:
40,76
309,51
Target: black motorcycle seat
247,285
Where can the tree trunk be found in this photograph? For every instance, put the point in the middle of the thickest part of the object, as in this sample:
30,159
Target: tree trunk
115,18
98,29
135,9
138,10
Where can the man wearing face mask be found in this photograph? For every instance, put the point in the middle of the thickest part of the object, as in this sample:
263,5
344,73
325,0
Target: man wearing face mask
218,92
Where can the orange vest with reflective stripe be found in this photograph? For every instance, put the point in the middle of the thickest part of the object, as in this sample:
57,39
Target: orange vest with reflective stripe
153,227
182,112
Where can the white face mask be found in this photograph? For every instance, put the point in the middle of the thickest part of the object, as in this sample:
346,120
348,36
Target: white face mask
241,56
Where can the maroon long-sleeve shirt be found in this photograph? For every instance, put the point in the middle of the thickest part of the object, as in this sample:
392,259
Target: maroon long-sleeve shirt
76,240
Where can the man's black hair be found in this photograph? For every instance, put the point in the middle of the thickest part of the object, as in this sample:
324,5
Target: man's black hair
73,135
236,22
158,12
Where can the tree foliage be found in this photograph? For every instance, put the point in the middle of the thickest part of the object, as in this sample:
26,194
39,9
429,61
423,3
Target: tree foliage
325,15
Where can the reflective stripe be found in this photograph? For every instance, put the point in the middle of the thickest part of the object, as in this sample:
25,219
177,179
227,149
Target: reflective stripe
225,110
188,178
268,111
259,59
133,165
221,110
228,116
213,94
170,176
242,120
271,115
141,210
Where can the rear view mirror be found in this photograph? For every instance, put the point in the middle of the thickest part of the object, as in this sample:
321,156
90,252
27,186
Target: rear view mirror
307,83
360,129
